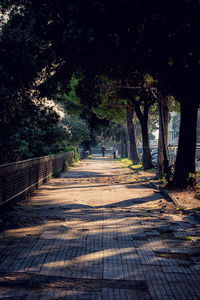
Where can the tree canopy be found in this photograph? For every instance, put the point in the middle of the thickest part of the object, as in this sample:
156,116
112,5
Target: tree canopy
43,43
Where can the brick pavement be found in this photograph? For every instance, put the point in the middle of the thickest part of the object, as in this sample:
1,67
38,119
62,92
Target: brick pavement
99,233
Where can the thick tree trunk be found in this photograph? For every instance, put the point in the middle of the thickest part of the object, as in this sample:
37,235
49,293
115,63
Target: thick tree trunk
185,160
146,158
165,113
143,118
133,152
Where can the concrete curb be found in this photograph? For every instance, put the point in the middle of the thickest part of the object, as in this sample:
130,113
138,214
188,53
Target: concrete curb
170,197
175,201
165,193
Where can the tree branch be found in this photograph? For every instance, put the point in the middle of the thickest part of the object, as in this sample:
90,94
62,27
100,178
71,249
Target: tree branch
128,87
116,105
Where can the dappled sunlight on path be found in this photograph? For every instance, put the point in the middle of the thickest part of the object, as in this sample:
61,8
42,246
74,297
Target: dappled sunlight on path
99,232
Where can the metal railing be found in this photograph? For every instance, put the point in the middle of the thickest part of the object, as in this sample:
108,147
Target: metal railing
21,178
172,152
98,152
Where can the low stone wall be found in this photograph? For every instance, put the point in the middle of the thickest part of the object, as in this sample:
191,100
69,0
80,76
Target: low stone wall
21,178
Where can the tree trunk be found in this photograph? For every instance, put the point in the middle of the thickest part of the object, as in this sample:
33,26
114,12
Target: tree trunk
143,119
133,152
165,106
159,166
165,113
185,160
125,147
146,157
122,146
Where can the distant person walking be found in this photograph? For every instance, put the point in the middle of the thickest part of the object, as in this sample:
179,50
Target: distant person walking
103,150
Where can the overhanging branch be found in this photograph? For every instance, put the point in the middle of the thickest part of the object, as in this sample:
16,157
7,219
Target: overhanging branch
129,87
118,106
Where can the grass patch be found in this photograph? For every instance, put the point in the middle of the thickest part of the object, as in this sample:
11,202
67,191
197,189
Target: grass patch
179,208
128,163
186,238
138,167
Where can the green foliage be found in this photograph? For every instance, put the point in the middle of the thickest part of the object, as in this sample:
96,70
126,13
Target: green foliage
138,167
65,165
33,129
174,105
71,102
103,111
70,148
186,238
76,155
114,133
74,159
71,162
37,130
107,103
72,97
79,130
56,174
126,162
31,126
194,179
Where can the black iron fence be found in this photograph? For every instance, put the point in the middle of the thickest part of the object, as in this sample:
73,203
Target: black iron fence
21,178
172,152
98,152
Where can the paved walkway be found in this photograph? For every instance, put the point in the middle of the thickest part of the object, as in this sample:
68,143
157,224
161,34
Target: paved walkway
99,232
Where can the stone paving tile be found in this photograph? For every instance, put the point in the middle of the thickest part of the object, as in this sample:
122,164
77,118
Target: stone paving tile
100,240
